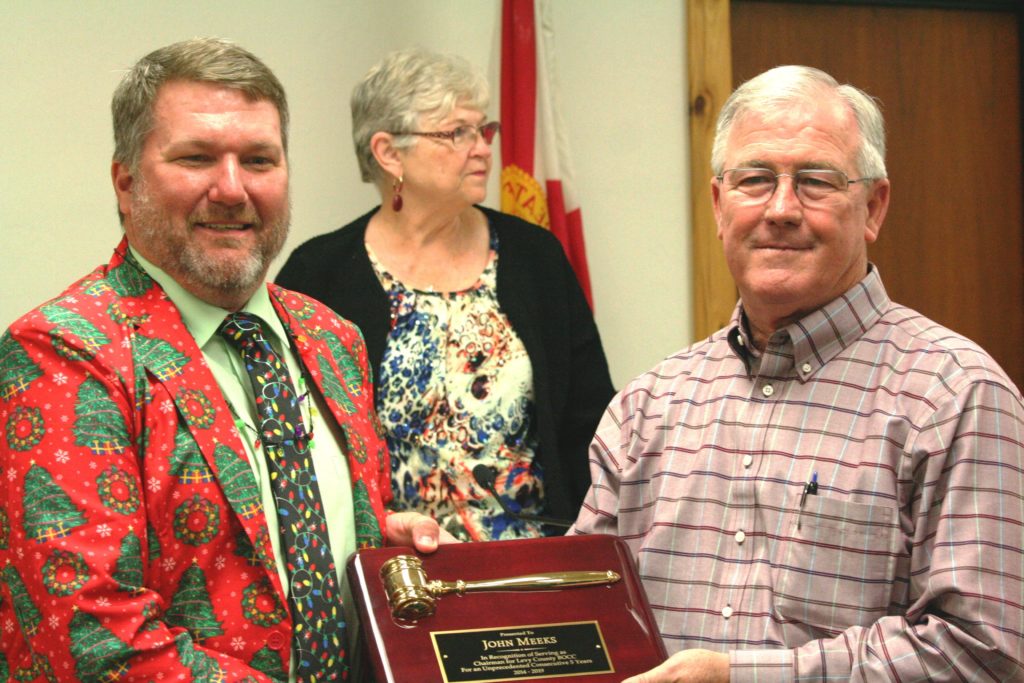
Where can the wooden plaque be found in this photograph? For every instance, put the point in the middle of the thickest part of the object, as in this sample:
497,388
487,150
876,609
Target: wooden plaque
591,633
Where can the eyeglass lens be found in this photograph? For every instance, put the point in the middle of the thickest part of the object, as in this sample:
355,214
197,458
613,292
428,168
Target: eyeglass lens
810,185
466,136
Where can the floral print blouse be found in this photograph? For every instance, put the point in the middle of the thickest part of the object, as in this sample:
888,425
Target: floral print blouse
456,391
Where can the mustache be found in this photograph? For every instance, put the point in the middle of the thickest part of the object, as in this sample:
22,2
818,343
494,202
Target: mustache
246,215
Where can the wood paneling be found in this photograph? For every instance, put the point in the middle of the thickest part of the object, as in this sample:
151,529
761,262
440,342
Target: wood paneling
710,79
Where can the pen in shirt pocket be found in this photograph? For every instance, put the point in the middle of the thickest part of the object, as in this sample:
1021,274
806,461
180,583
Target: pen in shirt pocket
810,488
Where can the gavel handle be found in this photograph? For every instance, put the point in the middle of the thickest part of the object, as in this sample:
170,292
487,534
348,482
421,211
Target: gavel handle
531,582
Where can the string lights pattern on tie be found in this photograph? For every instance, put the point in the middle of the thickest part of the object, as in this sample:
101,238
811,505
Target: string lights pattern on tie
315,597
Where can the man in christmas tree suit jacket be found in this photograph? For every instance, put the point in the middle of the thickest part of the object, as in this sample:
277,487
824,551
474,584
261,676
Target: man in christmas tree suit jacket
147,486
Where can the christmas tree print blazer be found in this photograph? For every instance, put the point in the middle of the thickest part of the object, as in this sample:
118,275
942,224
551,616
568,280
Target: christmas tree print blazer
133,544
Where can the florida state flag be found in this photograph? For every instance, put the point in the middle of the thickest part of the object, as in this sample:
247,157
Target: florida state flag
536,176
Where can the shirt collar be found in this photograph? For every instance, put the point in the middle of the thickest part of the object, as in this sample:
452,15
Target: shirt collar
202,319
819,336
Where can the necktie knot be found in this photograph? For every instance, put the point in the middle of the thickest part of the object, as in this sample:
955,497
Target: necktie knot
242,330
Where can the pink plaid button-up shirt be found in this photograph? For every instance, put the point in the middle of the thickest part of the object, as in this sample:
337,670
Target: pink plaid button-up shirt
904,559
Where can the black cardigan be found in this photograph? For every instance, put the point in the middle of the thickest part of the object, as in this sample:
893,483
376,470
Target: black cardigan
539,293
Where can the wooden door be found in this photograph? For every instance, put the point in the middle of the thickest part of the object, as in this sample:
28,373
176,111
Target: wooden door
949,81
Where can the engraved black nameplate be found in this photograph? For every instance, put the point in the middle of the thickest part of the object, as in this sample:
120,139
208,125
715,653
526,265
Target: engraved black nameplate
521,652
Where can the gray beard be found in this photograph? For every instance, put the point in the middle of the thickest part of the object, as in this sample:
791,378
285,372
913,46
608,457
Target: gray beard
172,252
225,276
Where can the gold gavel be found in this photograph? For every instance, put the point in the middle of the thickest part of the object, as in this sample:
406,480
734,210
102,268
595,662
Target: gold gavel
412,597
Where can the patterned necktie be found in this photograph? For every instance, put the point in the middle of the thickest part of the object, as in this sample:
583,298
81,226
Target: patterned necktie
318,634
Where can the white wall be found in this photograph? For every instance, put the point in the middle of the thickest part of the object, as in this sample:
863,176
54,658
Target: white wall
620,65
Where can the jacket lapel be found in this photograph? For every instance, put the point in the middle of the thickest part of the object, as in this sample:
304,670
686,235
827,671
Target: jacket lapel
171,358
334,356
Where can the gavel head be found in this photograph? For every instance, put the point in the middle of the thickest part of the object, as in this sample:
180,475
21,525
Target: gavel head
405,583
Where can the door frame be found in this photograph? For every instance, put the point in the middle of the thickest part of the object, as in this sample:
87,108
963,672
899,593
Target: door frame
709,67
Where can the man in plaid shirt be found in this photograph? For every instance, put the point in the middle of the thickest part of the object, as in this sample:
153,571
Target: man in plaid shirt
832,486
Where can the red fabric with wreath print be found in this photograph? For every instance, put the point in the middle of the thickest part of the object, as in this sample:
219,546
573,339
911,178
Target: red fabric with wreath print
133,544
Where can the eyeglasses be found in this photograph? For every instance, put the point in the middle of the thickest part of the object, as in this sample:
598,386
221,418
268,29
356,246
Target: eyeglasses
463,137
810,185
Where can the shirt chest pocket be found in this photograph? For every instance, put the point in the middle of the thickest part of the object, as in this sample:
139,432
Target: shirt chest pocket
834,566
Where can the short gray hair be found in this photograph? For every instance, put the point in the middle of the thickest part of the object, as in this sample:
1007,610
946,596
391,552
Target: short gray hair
786,85
404,87
206,60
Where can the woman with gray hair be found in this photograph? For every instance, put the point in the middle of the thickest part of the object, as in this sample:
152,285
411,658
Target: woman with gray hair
484,348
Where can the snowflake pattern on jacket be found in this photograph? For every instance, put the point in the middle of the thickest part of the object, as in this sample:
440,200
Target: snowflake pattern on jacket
133,543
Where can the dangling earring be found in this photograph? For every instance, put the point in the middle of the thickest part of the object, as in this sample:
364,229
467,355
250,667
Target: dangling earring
396,198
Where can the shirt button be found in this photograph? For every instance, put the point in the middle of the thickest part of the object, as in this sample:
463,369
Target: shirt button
767,390
806,368
276,640
740,537
727,611
748,460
